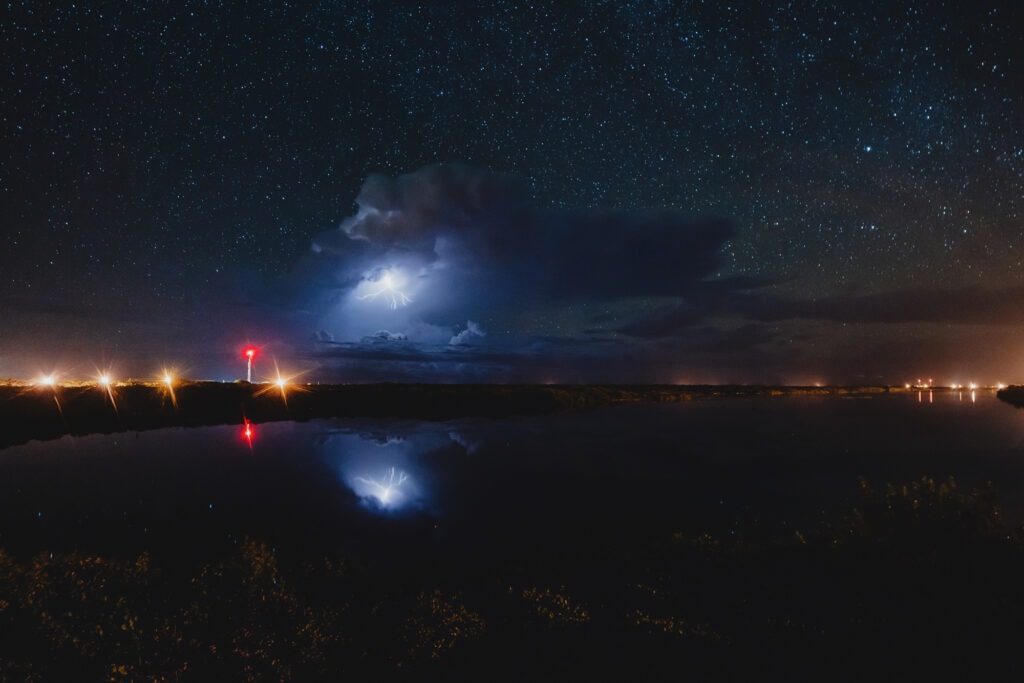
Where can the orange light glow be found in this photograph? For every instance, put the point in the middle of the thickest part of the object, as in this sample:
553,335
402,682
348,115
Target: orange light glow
169,384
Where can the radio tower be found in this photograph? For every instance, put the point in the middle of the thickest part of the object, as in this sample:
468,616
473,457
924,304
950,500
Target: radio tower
249,353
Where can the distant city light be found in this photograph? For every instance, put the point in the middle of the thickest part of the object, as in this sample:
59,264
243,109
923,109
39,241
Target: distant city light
169,382
107,382
50,381
283,383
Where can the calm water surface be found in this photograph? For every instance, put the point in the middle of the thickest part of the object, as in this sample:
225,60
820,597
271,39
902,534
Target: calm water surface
491,490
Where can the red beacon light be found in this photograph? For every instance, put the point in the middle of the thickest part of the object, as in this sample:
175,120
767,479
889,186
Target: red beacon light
249,352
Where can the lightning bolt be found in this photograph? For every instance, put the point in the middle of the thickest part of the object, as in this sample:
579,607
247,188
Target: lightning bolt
386,485
390,290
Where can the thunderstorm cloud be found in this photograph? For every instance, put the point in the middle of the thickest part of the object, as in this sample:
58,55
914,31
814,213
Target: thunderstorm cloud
460,243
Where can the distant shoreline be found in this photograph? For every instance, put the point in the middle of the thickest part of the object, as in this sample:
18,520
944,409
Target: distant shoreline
36,412
1014,395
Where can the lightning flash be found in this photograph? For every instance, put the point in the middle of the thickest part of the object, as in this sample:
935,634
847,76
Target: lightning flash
387,487
389,288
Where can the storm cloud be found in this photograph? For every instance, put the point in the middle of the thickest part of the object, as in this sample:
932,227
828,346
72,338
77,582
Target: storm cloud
462,243
468,224
455,269
453,273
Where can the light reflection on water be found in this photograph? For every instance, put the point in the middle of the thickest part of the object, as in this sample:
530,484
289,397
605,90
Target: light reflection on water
386,471
661,467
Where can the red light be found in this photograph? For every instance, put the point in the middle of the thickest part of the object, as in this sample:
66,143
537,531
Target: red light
248,432
249,352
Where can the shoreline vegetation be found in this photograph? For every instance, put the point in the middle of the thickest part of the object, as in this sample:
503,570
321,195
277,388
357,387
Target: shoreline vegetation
1013,394
913,581
41,412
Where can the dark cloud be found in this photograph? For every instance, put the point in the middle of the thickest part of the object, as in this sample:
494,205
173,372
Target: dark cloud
489,213
972,305
542,359
758,335
965,306
468,275
610,254
669,321
477,234
400,360
968,305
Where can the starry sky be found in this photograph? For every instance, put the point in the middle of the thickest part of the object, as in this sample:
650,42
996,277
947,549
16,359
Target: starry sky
792,192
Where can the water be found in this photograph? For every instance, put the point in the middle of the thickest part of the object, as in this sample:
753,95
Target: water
487,493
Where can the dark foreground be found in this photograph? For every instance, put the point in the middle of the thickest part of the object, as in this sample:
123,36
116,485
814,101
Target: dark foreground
40,412
913,582
1014,395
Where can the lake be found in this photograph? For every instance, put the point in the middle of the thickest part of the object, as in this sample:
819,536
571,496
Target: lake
712,537
494,489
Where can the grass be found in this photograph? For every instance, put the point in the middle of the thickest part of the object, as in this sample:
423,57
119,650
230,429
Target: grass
913,580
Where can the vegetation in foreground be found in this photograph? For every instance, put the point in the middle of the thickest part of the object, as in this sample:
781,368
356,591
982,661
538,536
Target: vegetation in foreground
914,580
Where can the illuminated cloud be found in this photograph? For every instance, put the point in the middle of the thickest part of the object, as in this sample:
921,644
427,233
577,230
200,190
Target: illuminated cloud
388,472
468,335
449,243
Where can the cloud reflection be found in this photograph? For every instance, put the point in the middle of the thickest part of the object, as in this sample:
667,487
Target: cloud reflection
386,489
387,472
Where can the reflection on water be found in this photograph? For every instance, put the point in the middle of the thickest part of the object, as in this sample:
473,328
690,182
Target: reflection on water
248,432
387,489
929,396
388,472
512,483
379,468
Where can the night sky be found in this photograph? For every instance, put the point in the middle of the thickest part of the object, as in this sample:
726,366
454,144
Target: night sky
639,191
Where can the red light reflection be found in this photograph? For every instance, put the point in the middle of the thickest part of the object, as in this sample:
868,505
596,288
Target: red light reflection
248,432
